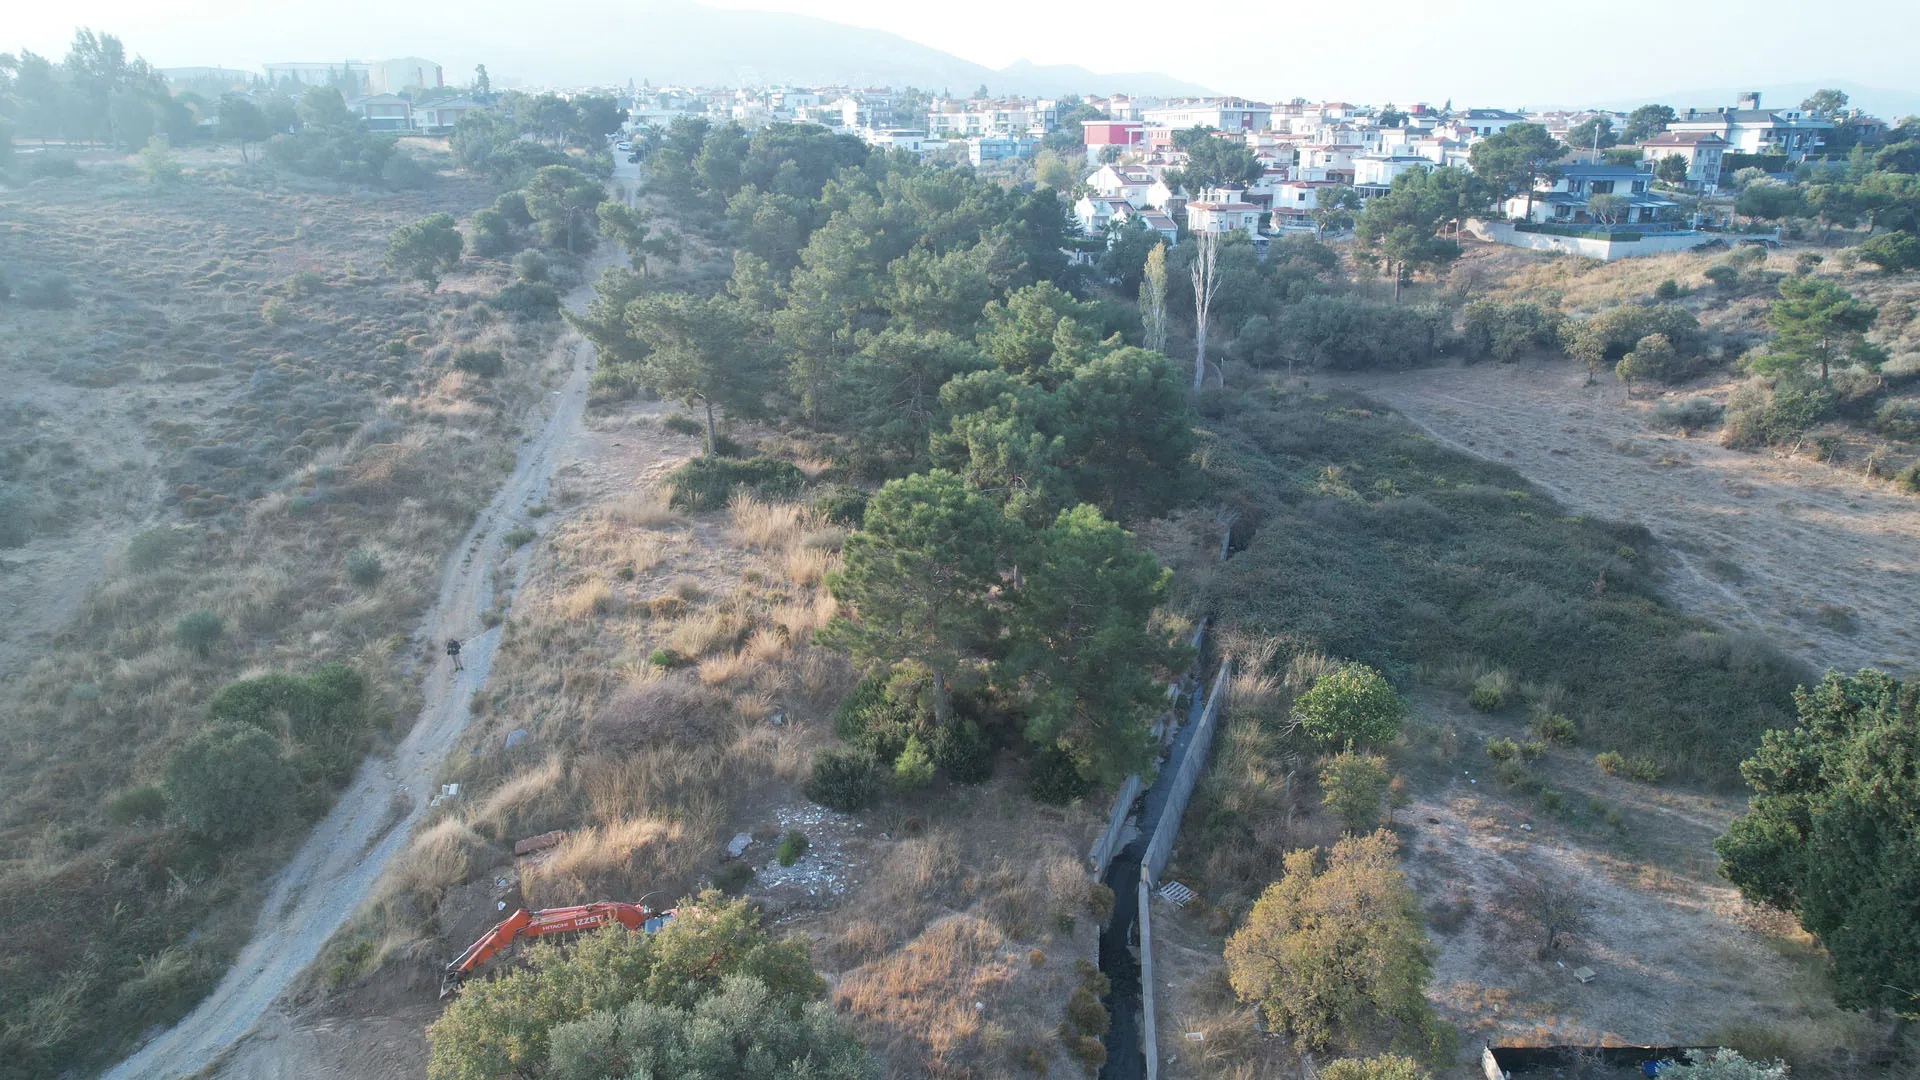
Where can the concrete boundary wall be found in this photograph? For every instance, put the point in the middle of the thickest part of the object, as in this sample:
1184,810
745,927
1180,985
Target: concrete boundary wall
1109,841
1150,1030
1161,846
1500,232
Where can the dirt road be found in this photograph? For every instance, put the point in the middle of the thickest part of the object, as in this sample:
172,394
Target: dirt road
1814,557
336,868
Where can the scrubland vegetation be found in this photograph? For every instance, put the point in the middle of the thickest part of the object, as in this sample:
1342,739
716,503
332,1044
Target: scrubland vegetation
278,445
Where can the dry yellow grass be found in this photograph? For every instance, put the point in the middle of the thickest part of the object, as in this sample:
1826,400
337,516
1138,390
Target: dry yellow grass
701,632
917,1003
441,856
647,508
762,524
585,600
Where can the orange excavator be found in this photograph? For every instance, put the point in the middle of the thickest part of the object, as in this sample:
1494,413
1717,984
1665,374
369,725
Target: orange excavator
524,923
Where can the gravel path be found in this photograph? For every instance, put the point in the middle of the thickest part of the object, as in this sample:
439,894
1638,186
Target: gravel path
335,870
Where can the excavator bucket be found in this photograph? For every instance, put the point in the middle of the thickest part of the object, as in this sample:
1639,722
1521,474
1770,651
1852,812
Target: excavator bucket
450,982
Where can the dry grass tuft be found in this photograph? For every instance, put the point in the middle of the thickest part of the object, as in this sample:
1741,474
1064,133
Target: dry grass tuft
438,858
672,708
599,860
701,632
768,525
586,600
806,567
647,509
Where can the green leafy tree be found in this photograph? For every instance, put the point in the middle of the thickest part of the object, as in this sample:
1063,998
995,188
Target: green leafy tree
242,121
632,230
229,781
743,1032
1832,833
562,201
1401,226
1333,209
1515,160
1354,786
1651,358
1645,122
1353,703
1725,1064
1672,169
426,248
158,162
1212,161
1153,299
1771,201
503,1026
711,354
918,580
1825,103
1085,645
1595,132
1334,954
482,83
1815,322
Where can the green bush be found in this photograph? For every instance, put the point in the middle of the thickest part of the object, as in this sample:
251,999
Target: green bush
199,631
1493,330
325,707
1502,749
364,569
144,803
519,536
705,483
532,266
528,301
792,846
1600,341
1724,278
151,549
1689,414
1909,479
962,751
733,878
229,782
913,769
844,780
1759,414
1353,703
1087,1015
1489,693
1667,290
485,363
1553,728
1612,763
666,659
1892,252
1898,419
682,424
1055,779
843,504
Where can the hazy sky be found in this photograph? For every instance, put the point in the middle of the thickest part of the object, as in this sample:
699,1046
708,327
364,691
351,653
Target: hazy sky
1477,51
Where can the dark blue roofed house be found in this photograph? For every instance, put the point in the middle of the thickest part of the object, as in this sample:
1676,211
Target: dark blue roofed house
383,112
1606,196
1750,129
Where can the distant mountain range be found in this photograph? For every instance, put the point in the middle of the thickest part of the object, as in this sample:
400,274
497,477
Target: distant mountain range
1888,105
669,42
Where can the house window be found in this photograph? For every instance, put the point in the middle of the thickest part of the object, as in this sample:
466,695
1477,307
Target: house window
1603,187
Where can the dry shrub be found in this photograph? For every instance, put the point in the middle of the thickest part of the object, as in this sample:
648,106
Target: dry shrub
701,632
672,708
805,566
585,600
735,668
646,509
858,941
687,587
761,749
917,1002
824,538
800,618
767,645
437,859
532,802
770,525
644,553
918,870
608,860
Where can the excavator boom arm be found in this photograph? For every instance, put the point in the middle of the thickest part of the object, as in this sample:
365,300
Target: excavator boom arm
524,923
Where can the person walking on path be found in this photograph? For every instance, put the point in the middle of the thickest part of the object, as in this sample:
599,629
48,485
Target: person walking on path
453,651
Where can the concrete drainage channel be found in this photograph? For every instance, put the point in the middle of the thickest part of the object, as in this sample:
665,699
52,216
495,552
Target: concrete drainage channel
1126,943
1134,872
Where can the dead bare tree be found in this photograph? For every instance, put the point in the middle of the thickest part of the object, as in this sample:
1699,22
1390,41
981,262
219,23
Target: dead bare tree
1555,903
1206,281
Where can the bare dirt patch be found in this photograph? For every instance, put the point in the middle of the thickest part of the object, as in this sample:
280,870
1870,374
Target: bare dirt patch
1823,562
